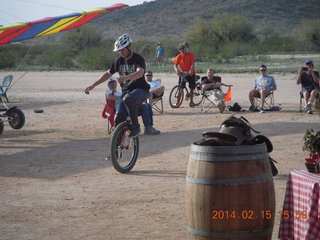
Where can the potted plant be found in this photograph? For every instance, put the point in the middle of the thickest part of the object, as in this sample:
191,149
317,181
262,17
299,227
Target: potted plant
312,145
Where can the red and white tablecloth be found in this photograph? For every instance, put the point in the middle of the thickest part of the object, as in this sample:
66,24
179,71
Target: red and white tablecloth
300,215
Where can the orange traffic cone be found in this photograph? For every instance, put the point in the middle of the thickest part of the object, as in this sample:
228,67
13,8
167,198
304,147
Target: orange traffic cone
227,97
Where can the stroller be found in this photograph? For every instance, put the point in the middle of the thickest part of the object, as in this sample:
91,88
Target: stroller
13,115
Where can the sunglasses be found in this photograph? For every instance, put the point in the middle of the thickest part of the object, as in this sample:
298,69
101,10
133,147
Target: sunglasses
263,70
148,75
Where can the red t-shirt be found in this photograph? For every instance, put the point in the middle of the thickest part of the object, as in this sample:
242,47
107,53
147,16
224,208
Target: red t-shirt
185,61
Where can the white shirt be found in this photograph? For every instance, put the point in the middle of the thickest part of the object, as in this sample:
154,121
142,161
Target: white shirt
109,91
154,84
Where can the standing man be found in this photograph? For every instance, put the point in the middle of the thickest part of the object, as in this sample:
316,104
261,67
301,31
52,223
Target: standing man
160,53
309,80
263,85
185,69
135,89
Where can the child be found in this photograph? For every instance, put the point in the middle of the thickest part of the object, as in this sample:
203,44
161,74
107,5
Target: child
144,110
112,95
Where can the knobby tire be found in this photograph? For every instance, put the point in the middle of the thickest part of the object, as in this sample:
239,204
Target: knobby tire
16,119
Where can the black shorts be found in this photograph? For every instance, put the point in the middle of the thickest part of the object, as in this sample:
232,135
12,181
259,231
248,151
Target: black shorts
190,79
309,89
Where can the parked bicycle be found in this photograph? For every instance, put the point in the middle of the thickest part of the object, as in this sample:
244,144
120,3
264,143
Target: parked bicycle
180,92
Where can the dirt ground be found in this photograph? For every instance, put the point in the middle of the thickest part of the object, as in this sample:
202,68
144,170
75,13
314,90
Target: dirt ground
56,184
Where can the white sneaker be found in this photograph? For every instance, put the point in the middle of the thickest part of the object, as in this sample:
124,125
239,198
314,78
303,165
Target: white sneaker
310,111
308,107
262,111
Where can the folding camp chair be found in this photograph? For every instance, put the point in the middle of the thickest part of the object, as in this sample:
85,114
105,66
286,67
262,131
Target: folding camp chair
215,99
5,86
301,100
210,100
109,113
268,101
157,102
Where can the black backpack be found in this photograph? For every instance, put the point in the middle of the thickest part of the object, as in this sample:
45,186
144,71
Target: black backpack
235,108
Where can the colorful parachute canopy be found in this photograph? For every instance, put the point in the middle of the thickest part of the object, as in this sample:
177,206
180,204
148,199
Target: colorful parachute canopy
47,26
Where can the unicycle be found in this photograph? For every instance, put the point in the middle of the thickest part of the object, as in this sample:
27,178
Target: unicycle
124,150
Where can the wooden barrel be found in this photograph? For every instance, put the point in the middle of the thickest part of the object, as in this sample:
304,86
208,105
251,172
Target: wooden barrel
229,193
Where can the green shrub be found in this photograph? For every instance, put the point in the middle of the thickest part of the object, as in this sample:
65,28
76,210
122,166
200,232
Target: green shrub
7,58
233,49
274,44
98,58
59,59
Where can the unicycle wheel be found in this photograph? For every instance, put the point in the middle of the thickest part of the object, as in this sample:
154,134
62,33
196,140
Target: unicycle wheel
124,150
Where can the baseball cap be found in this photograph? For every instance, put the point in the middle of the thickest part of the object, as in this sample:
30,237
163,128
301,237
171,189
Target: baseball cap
309,62
111,80
263,66
181,46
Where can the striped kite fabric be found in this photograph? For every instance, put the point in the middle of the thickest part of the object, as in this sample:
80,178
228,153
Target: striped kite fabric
23,31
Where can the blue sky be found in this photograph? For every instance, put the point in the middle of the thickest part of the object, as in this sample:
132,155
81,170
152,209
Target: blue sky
13,11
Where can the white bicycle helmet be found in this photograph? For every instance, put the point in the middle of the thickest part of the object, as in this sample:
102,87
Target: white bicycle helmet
122,42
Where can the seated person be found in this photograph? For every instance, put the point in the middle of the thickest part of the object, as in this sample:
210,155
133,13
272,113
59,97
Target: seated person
145,110
156,89
309,80
112,95
212,84
263,85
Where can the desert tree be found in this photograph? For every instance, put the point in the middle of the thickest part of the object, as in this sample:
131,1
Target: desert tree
310,32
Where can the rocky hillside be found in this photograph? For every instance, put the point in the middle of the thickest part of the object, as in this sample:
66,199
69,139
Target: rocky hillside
170,19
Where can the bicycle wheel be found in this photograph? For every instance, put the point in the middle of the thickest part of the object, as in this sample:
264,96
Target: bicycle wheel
176,96
197,96
124,150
